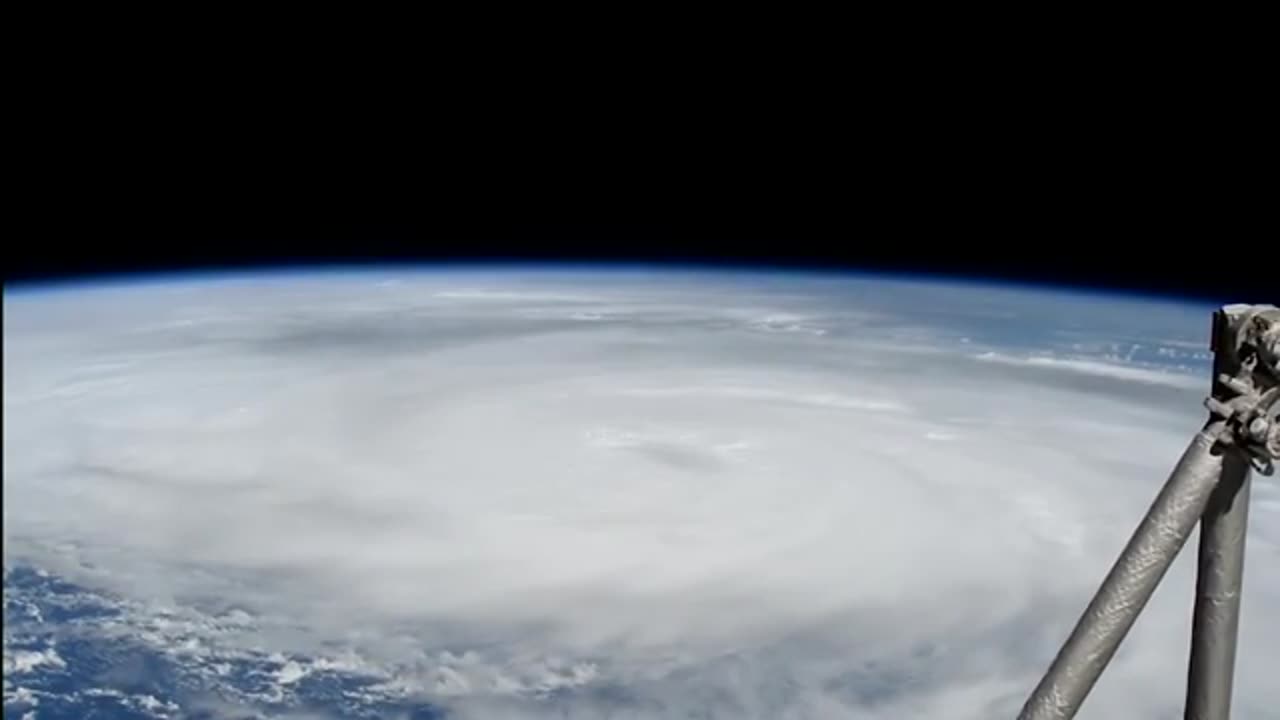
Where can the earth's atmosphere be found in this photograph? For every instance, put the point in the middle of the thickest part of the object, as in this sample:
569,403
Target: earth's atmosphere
484,493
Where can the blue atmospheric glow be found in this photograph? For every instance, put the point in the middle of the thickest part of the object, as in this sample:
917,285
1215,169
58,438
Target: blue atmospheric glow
594,268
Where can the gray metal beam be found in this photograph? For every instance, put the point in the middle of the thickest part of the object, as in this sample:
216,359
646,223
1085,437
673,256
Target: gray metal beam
1132,580
1218,585
1219,574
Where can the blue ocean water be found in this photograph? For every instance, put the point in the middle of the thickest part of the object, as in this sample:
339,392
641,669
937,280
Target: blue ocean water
88,664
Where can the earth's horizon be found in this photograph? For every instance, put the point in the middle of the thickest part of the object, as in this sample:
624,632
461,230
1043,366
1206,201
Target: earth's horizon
513,492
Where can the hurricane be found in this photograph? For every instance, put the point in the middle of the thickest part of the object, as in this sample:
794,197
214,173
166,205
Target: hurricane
636,492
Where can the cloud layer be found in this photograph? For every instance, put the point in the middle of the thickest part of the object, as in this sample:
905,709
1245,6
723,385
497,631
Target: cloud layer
567,496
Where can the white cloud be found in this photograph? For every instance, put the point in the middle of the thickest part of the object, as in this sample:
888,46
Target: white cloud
22,661
656,515
1115,368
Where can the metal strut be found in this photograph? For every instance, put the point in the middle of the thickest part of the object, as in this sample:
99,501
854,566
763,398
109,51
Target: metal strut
1210,485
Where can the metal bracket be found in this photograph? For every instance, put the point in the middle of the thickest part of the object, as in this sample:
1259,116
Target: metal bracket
1247,341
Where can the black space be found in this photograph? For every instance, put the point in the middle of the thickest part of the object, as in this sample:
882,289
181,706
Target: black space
1042,176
